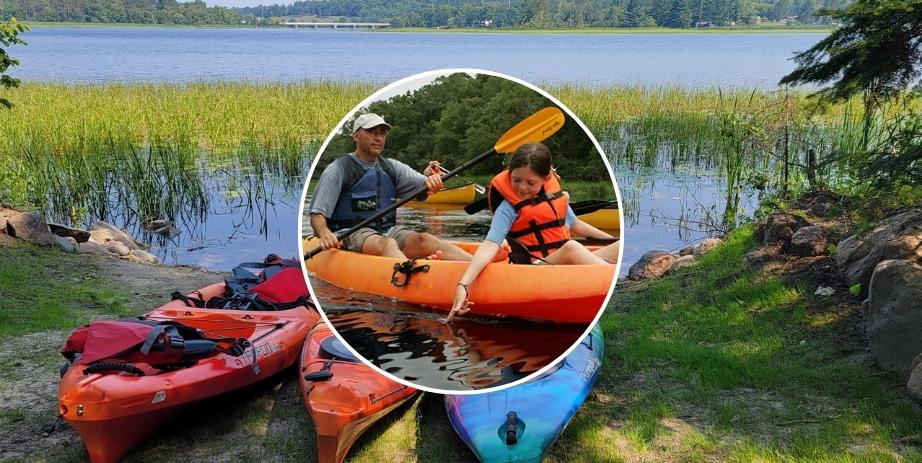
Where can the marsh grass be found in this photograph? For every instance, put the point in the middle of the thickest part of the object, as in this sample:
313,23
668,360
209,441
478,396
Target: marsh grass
147,150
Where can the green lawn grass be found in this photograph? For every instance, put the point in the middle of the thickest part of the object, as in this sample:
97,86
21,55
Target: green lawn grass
37,294
722,362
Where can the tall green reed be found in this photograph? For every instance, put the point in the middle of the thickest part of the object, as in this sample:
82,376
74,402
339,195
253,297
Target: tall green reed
146,150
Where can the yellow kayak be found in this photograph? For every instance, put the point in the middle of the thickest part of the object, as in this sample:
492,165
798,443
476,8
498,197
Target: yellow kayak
459,195
606,219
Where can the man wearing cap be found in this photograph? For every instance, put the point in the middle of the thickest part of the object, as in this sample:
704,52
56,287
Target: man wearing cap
358,185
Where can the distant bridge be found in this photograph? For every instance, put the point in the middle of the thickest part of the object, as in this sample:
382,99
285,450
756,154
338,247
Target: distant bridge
319,25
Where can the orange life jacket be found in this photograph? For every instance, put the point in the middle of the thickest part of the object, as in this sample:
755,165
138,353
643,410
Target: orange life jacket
540,226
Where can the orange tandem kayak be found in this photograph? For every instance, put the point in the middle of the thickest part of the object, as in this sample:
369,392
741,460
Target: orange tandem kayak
115,404
343,395
554,293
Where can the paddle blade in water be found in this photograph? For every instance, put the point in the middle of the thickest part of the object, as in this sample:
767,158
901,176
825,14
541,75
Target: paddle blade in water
537,127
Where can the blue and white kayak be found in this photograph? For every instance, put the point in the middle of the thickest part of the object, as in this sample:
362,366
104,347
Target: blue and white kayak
519,424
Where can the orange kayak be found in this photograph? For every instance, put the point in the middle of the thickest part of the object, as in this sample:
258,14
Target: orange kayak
115,409
555,293
343,395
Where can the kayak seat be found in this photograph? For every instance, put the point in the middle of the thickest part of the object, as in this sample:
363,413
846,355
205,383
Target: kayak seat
333,348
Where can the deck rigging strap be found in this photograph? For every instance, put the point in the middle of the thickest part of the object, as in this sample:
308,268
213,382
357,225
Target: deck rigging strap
407,268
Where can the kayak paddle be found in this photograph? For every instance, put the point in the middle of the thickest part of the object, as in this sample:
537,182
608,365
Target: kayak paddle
534,128
477,187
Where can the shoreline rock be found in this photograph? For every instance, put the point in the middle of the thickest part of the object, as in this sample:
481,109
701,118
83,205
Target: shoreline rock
898,236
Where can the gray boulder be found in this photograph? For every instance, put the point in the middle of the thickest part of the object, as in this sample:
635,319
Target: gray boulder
30,226
915,379
810,241
896,237
895,315
143,256
706,246
4,215
781,227
682,262
104,233
651,265
117,248
66,243
81,236
163,227
763,254
92,247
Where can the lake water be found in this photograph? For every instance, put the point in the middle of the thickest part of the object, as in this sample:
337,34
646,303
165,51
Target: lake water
663,207
412,343
156,54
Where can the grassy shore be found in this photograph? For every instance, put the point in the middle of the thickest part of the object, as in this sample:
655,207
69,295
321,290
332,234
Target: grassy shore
720,362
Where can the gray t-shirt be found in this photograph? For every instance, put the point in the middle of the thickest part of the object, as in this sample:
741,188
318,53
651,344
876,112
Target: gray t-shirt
330,184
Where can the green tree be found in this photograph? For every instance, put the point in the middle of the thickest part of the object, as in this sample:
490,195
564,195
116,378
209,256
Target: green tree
876,52
9,35
679,14
459,116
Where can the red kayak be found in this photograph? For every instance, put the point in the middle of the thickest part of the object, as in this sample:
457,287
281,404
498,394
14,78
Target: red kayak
178,354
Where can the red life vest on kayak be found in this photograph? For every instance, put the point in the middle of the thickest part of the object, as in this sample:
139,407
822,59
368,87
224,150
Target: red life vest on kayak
134,340
540,226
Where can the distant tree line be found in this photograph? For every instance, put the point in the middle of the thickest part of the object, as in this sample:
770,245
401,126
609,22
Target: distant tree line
119,11
458,117
557,13
436,13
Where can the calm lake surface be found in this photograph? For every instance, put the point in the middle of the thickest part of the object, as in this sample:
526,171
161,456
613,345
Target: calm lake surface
155,54
662,206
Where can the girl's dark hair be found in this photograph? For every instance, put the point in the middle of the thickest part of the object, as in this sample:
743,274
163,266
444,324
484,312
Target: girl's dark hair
535,156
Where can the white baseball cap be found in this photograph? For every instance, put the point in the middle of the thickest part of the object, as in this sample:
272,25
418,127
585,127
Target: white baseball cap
368,121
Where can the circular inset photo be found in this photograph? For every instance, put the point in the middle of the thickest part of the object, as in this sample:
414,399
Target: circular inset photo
460,232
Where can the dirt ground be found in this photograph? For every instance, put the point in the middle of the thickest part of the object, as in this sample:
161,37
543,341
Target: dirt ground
29,364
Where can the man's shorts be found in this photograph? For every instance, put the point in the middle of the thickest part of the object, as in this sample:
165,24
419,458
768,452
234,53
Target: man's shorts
355,241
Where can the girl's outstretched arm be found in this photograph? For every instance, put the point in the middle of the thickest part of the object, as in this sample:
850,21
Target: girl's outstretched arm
484,255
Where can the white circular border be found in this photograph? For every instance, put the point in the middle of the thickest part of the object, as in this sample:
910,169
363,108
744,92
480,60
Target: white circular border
375,97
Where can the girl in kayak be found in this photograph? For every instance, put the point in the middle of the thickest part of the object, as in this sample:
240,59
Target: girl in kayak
532,214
